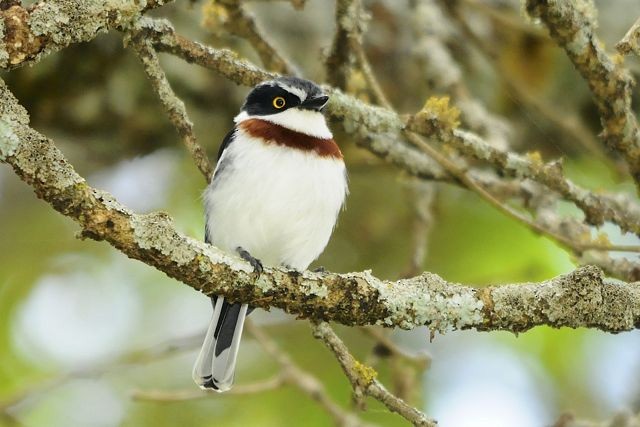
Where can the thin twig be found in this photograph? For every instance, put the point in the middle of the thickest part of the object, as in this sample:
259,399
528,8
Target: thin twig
349,26
631,40
164,396
173,105
424,197
303,380
576,246
133,358
238,21
421,360
567,122
369,76
572,25
363,378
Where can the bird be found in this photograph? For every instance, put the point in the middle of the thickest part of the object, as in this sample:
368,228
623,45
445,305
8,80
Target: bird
277,189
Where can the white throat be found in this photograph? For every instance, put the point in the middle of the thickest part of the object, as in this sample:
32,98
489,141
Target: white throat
309,122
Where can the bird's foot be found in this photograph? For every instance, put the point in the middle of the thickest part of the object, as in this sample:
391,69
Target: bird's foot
319,269
255,262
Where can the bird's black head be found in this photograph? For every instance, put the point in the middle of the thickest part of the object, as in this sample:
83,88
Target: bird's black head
283,93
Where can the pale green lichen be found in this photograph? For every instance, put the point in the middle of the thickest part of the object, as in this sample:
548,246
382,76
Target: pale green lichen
10,108
217,256
9,141
155,231
264,283
4,55
428,300
110,202
40,151
356,115
71,21
580,41
313,287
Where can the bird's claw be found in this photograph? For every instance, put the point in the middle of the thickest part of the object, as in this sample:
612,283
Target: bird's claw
255,262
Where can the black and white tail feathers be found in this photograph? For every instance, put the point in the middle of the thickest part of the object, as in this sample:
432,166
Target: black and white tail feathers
216,362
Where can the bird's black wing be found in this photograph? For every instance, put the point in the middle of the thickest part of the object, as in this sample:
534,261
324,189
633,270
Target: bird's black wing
226,320
219,167
226,141
221,164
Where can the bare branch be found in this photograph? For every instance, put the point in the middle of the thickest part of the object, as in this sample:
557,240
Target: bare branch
631,41
363,378
304,381
573,28
173,105
347,37
236,20
194,394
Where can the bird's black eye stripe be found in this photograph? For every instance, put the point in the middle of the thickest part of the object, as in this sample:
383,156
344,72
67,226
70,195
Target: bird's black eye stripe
268,99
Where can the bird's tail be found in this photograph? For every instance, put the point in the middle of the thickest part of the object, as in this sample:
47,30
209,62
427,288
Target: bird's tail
216,362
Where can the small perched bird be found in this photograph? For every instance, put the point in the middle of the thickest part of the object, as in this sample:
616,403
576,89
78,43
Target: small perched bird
275,195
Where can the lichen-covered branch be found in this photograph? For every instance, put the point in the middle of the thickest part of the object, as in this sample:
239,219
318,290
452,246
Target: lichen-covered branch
567,122
597,208
572,25
581,298
363,378
631,41
379,129
233,17
27,34
172,104
341,58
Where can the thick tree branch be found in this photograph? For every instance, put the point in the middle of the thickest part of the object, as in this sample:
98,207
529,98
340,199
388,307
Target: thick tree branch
582,298
27,34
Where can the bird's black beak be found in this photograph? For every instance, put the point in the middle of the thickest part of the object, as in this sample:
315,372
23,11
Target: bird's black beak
316,103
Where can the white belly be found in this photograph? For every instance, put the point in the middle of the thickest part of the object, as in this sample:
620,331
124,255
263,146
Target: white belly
278,203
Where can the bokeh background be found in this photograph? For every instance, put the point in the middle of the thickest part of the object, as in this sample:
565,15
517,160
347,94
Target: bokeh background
76,317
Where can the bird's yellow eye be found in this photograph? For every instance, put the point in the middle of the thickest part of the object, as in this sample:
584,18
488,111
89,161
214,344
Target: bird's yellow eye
278,102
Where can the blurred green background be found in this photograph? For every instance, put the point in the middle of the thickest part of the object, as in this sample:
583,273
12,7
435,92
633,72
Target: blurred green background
71,310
